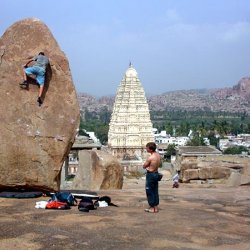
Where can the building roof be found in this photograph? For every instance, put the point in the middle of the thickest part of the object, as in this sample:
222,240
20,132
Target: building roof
198,150
86,146
84,142
162,145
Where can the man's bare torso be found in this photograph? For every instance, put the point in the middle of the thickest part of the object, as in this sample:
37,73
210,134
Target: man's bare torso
153,162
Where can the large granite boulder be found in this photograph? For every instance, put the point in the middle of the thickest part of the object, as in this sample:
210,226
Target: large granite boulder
190,174
214,172
243,87
238,179
205,173
34,141
233,168
97,170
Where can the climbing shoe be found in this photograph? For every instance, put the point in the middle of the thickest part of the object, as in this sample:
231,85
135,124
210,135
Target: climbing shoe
39,100
24,84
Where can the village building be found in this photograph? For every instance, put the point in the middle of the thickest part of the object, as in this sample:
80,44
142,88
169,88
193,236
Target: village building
232,141
130,127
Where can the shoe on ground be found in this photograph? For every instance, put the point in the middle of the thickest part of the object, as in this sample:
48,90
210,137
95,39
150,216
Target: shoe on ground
24,83
151,210
39,100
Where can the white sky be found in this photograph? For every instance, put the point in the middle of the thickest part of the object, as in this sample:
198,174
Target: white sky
173,45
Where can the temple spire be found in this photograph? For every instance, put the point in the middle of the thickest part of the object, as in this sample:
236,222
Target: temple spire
130,127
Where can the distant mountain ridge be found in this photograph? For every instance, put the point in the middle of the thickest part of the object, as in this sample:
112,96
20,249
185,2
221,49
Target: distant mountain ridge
234,100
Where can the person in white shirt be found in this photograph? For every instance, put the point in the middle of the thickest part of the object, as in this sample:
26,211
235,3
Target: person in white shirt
176,179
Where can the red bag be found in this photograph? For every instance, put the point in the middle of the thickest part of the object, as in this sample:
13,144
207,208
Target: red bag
57,205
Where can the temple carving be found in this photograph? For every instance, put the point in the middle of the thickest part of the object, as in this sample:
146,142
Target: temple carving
130,127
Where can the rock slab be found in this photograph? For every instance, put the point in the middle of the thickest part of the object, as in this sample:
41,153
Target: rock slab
97,170
34,141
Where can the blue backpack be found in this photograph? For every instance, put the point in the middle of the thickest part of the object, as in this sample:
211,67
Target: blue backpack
64,197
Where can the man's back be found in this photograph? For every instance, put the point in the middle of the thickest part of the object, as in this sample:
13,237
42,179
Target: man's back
41,61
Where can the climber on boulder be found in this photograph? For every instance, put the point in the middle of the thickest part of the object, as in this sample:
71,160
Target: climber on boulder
38,69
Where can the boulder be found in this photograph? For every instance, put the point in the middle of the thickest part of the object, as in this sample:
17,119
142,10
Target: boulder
206,173
237,179
190,174
222,168
34,140
166,174
243,87
214,172
97,170
246,168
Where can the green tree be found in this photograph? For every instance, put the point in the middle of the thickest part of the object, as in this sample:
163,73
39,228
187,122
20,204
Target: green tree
105,115
196,141
102,133
93,123
171,150
183,129
213,140
169,128
236,150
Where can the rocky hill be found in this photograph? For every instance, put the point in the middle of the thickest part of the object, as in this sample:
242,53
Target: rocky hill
234,100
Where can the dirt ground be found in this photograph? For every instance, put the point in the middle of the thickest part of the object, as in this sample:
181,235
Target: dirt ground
191,217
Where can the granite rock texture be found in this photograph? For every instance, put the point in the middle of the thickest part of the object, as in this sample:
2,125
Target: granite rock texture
34,140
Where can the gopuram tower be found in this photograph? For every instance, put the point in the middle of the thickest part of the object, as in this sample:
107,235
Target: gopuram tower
130,128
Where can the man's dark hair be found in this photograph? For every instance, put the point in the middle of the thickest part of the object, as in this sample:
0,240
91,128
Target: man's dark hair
41,53
151,146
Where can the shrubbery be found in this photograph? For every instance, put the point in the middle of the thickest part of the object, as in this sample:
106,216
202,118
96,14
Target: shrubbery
236,150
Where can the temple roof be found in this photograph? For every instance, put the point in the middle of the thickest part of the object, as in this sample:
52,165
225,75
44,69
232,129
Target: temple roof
130,125
131,72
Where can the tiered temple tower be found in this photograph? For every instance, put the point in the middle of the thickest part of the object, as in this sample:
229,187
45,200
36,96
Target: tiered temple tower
130,128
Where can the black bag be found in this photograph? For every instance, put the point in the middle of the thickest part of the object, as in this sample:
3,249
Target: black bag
107,199
86,204
21,194
160,176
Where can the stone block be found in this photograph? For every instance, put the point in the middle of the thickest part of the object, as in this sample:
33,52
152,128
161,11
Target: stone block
97,170
190,174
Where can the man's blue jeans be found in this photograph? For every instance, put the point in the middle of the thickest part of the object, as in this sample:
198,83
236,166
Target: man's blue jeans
152,188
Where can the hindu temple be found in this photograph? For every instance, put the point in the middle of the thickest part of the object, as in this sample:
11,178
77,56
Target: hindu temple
130,126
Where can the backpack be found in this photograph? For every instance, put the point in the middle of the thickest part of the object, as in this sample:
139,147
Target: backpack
86,204
160,175
64,197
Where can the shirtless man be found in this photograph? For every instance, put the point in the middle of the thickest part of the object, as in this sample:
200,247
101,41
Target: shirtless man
151,165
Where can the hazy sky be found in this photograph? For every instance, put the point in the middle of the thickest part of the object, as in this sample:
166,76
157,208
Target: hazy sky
173,44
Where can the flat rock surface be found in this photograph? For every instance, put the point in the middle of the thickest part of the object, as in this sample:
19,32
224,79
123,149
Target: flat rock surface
191,217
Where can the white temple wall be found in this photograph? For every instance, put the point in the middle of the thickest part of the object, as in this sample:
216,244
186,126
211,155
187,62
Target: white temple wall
130,126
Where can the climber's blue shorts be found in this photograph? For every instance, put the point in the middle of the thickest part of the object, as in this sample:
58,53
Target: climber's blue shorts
38,72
